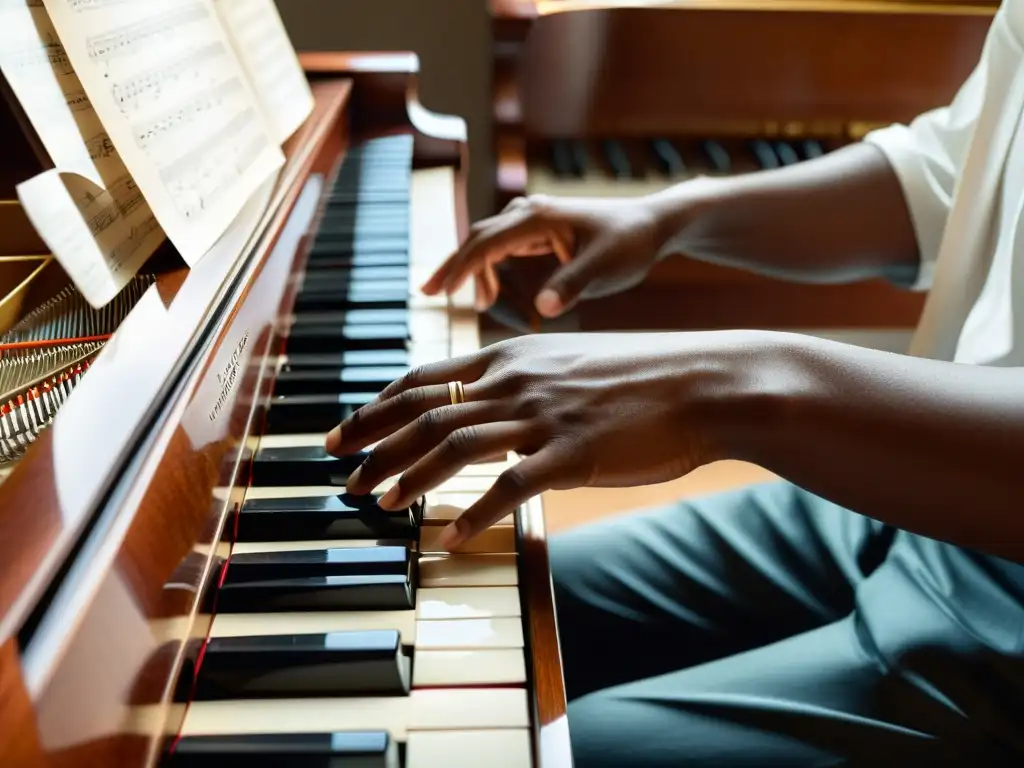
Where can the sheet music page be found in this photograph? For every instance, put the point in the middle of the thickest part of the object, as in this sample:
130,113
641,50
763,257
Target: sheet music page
97,235
89,211
166,84
268,57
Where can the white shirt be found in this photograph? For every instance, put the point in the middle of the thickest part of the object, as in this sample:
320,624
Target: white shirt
962,172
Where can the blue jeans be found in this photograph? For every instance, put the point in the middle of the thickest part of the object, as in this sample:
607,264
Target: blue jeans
769,627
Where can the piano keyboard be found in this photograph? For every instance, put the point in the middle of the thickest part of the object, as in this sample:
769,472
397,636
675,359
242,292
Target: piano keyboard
609,168
341,635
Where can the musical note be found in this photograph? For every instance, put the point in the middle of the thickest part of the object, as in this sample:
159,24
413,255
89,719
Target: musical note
167,84
268,57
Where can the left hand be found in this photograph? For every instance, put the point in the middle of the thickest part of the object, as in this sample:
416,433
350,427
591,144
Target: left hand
583,409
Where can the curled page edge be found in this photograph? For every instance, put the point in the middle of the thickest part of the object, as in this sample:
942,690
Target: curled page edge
100,238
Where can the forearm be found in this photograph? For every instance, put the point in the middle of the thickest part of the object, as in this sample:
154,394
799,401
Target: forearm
838,218
932,447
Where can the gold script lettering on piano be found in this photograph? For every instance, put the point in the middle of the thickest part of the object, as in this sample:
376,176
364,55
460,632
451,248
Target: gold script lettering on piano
197,583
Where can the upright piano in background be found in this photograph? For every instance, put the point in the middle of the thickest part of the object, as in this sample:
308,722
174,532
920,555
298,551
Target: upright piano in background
193,438
592,99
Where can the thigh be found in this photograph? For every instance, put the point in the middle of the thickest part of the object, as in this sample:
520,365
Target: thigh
821,698
677,586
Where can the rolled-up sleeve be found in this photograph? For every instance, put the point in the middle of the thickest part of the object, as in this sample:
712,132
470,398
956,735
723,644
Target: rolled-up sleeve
927,156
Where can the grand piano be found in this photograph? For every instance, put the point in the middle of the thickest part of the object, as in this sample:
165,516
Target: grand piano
608,98
185,581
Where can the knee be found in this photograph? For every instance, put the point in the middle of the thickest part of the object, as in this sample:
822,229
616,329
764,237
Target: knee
610,730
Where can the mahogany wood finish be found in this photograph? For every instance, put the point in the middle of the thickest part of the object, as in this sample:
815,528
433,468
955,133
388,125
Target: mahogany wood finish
102,598
741,68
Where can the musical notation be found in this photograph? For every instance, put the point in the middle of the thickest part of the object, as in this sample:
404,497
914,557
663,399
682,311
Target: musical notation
262,45
89,211
102,236
164,79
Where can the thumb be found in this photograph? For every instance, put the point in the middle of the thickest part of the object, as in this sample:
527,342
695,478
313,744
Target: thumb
564,287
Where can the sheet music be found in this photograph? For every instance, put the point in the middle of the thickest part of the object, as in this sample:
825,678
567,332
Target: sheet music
89,210
164,80
268,57
100,237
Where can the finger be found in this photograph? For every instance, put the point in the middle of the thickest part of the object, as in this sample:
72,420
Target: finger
461,447
564,287
488,286
494,243
516,485
382,418
401,449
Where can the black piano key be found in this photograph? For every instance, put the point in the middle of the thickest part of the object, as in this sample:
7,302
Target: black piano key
561,159
786,154
313,518
318,276
287,750
383,592
313,339
717,155
347,359
766,157
667,158
356,297
617,159
812,148
302,465
333,381
370,663
321,259
353,317
334,561
580,158
297,414
341,245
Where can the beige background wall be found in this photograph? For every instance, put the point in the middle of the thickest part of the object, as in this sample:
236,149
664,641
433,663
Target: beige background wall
452,39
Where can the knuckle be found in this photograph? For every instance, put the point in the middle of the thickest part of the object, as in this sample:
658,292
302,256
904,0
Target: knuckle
460,442
429,423
512,483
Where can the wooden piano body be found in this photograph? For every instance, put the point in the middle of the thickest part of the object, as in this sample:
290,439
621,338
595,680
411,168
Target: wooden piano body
574,74
117,519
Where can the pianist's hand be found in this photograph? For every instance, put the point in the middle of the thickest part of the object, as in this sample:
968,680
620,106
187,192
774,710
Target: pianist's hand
605,246
583,409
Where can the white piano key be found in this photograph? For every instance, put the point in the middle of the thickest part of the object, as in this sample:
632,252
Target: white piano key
433,231
462,709
259,547
468,571
469,749
428,325
434,603
451,668
469,634
422,710
499,539
455,485
424,353
314,623
444,507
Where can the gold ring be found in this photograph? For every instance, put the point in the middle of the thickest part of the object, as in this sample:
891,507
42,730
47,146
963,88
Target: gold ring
456,392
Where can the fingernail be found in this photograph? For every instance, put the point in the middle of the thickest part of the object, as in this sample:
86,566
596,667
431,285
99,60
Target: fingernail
353,479
387,501
451,537
548,303
333,441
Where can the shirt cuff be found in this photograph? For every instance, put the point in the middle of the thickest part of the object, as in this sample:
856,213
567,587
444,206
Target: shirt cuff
927,202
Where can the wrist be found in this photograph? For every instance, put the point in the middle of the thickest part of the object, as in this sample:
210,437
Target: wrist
674,209
750,388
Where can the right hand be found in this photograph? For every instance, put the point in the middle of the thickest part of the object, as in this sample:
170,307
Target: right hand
604,246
